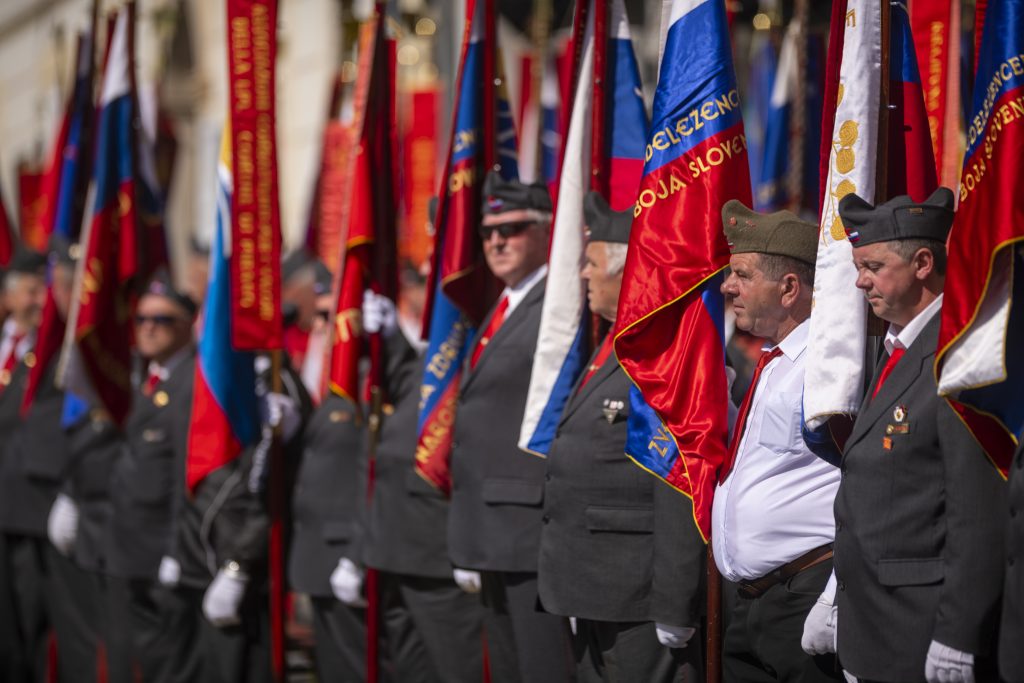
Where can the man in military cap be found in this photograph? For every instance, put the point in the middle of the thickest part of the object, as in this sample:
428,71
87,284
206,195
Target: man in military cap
772,528
147,483
919,513
23,506
497,490
302,278
619,551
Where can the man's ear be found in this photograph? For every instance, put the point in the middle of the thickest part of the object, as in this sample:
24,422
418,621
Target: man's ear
923,262
789,289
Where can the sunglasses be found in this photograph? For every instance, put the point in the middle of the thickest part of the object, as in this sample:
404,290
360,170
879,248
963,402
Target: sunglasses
324,314
158,320
506,230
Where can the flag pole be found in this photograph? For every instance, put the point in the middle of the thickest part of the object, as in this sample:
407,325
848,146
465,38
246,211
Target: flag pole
275,554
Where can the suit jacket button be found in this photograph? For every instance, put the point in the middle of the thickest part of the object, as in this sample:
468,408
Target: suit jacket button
1013,512
547,477
1009,562
842,585
839,526
545,519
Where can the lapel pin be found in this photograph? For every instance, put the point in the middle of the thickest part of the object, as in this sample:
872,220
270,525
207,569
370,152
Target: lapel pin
900,413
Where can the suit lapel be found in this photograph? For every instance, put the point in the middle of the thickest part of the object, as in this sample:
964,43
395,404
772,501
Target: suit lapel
579,395
534,297
906,372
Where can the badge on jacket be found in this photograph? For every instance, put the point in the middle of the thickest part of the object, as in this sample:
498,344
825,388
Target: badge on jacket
611,409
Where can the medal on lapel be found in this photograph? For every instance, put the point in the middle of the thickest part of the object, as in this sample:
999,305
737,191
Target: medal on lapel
611,409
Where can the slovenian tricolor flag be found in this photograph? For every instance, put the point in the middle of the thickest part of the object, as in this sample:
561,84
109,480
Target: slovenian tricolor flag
225,412
669,332
562,344
461,288
834,379
982,319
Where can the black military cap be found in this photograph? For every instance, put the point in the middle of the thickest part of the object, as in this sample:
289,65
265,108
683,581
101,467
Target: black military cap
511,195
161,285
26,260
603,224
322,278
782,233
900,218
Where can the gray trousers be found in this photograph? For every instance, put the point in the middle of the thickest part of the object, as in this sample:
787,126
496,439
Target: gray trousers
616,652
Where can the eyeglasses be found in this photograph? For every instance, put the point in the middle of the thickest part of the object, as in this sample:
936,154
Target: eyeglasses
506,230
158,320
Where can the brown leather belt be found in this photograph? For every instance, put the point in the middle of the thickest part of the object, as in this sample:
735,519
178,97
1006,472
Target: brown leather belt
755,588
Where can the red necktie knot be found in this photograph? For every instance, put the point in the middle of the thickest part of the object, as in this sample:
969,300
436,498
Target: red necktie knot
897,353
492,327
151,383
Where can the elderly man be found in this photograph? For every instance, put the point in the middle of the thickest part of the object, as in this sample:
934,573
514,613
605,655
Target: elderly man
919,513
147,483
772,527
618,552
497,490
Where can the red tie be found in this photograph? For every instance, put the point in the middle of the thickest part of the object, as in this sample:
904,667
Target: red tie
151,382
492,327
741,418
887,370
10,362
599,359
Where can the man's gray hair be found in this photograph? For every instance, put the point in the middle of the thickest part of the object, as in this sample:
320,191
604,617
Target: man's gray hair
616,252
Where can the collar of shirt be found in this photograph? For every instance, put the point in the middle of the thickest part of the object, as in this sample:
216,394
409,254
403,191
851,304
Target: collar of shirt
163,371
7,337
518,293
902,338
795,342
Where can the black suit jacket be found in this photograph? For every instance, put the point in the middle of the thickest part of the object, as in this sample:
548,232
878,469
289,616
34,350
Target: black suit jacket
497,489
96,444
618,544
36,453
919,531
405,525
147,481
325,501
1011,636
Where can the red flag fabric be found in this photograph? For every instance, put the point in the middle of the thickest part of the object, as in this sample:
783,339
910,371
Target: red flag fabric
255,213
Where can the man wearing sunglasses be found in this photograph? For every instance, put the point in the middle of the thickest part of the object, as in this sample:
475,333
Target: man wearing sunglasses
497,489
147,482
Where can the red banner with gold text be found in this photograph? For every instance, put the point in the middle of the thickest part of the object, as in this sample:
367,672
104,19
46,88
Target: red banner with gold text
930,25
255,212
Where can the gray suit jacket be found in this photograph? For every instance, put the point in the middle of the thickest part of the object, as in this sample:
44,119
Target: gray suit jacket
497,489
96,444
1011,635
147,481
617,544
919,531
327,491
404,529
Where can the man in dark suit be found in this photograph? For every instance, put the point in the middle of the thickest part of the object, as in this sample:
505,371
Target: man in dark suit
1011,632
497,489
619,552
146,486
919,513
27,484
432,629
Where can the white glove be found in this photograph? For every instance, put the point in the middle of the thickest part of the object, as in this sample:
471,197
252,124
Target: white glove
223,598
62,525
819,636
281,409
378,314
347,583
468,580
572,625
169,573
674,636
946,665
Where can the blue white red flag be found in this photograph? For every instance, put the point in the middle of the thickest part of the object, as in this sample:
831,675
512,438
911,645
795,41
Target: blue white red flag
225,411
669,332
761,83
982,319
461,288
97,354
562,343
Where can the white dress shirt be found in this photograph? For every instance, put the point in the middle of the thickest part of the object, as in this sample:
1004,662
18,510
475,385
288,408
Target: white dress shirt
902,337
776,504
518,293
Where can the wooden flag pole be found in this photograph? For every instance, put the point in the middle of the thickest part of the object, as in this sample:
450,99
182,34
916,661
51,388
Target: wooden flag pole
714,634
275,555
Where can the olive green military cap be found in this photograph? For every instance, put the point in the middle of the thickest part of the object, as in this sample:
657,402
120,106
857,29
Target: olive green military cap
782,233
